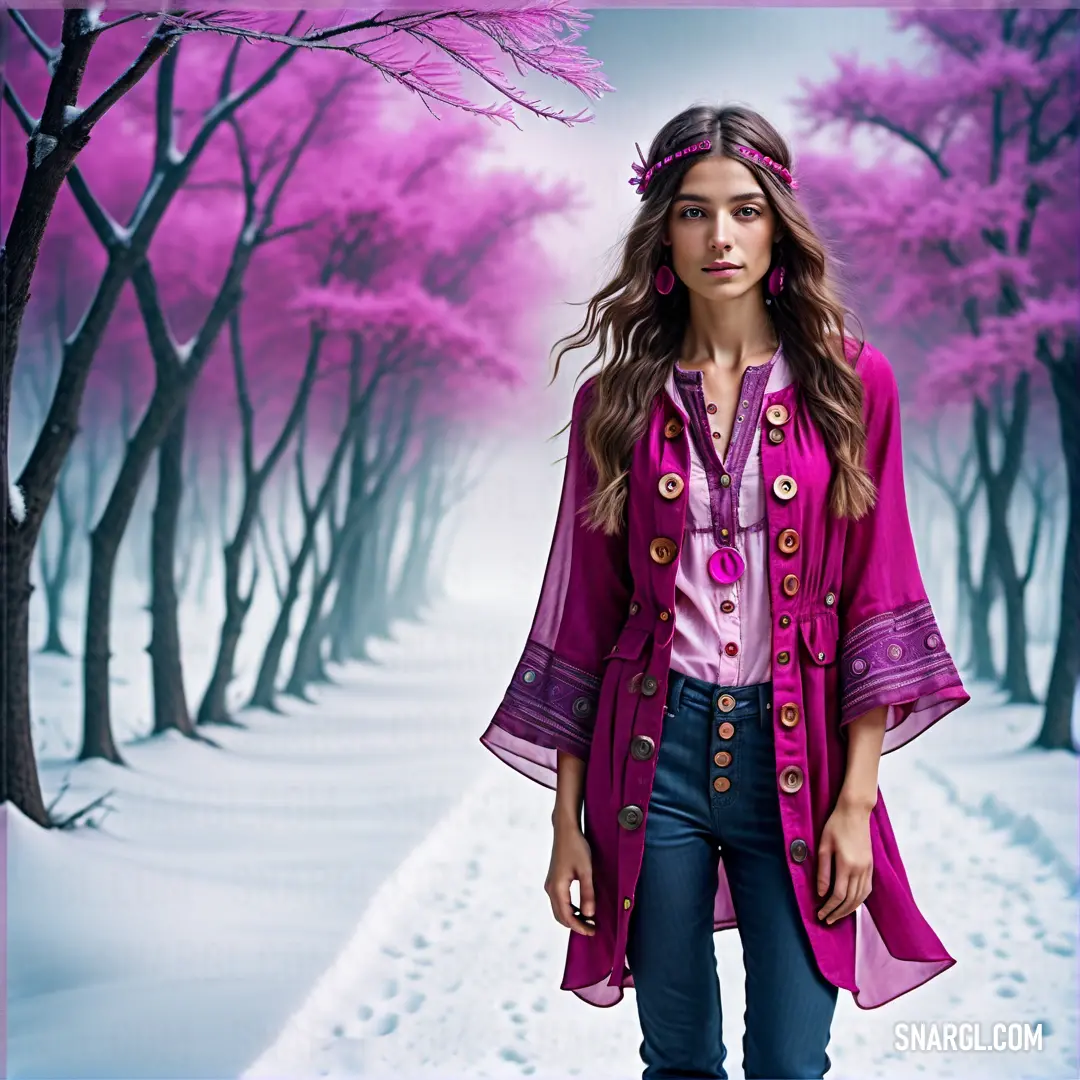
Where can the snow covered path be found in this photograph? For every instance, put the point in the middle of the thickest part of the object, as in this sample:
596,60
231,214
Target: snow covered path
454,970
178,938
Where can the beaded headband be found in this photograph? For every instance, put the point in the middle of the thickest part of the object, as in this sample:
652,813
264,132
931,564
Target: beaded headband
645,172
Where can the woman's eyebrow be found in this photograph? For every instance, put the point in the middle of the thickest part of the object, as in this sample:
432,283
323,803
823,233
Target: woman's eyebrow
743,197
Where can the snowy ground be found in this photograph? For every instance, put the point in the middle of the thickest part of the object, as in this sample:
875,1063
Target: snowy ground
355,887
177,939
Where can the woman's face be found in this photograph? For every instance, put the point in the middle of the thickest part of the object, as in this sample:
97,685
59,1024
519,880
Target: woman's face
721,215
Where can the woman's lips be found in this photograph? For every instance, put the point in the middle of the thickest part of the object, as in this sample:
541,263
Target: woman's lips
726,272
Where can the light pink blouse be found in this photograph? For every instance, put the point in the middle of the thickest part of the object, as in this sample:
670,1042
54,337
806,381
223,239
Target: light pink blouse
723,633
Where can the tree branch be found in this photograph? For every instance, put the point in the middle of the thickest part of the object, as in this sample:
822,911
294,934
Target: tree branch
50,56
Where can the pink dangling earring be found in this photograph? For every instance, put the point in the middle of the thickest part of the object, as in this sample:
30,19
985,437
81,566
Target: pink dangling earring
665,278
776,283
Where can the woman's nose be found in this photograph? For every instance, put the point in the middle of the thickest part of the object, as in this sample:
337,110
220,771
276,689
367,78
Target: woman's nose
719,237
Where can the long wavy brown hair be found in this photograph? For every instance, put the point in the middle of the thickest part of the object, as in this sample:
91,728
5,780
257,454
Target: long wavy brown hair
639,332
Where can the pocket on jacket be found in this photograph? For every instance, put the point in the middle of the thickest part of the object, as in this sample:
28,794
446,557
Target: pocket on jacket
821,637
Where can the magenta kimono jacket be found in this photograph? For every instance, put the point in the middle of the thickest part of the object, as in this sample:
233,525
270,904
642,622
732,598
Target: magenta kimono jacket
858,633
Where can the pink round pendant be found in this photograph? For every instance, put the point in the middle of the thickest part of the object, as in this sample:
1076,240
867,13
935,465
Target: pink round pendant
726,565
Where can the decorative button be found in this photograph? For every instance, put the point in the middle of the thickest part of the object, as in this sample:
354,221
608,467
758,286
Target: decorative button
716,434
783,657
790,585
649,685
798,850
529,676
731,649
725,480
777,414
727,606
635,607
631,817
662,550
665,615
726,729
724,533
858,666
789,714
582,707
721,783
776,435
784,487
722,758
627,902
785,620
642,748
830,599
894,652
671,485
711,407
932,641
673,428
791,779
788,541
725,703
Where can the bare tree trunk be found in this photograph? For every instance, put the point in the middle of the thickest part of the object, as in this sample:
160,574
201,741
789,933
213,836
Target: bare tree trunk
1000,485
265,693
981,657
170,700
214,707
55,580
1056,731
361,511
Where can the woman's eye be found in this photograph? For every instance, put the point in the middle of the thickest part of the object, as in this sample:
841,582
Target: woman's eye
691,210
754,211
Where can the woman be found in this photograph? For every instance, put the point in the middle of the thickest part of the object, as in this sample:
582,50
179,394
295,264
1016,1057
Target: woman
732,627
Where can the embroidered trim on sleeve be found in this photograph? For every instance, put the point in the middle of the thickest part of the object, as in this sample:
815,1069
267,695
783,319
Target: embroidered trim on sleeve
893,658
550,702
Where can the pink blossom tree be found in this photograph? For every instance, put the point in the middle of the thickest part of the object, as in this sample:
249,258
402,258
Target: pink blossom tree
965,231
421,51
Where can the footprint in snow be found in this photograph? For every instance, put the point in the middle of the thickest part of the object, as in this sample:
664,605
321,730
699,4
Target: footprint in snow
390,989
365,1012
414,1001
387,1024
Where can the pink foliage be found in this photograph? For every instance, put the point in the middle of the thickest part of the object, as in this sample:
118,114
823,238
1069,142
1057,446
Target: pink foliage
379,231
963,234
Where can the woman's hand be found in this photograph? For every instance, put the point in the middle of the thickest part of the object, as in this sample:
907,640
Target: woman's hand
571,860
845,840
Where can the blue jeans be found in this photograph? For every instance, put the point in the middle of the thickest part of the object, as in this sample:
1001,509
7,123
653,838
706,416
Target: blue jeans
789,1004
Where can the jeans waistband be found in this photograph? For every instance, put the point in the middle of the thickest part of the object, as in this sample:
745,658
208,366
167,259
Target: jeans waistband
752,702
